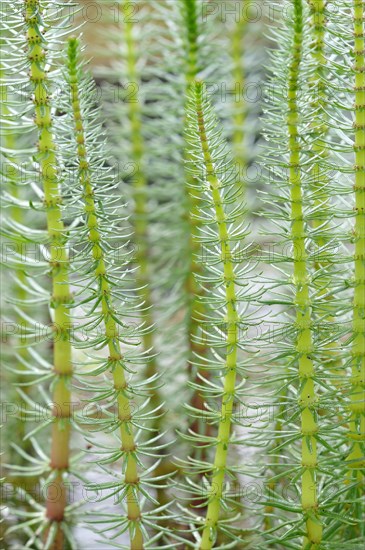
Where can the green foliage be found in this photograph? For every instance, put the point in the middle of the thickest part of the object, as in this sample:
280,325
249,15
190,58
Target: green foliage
225,300
184,351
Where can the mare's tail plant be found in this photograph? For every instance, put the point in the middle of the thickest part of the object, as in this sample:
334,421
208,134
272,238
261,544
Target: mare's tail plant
324,233
304,322
59,264
239,114
129,45
225,296
59,268
11,173
43,178
131,131
196,311
140,195
307,452
196,55
109,303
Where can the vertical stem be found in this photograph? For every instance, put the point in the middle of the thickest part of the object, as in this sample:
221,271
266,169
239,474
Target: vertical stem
196,308
317,85
304,344
239,115
140,184
319,178
357,397
192,287
140,219
319,124
111,329
59,263
224,430
12,172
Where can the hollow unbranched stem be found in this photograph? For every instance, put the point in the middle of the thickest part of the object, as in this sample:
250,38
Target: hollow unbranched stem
319,123
12,171
191,20
319,177
240,108
140,225
140,189
197,347
228,398
304,343
61,298
111,329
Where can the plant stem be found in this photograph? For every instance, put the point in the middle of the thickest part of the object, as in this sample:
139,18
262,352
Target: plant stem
304,343
319,124
19,287
59,263
319,178
140,186
220,460
239,115
140,219
357,397
192,287
116,360
196,308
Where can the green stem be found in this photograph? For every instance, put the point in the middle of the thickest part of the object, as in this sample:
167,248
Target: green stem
224,430
304,343
319,124
239,114
12,171
140,219
319,179
357,397
116,359
59,263
196,308
140,200
192,287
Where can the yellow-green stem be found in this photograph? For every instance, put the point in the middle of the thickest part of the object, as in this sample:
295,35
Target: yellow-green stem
12,171
196,308
192,287
319,178
140,224
304,344
224,430
319,123
111,329
317,85
59,263
357,406
239,114
140,188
